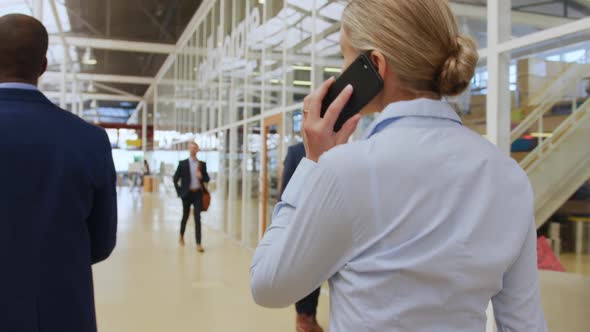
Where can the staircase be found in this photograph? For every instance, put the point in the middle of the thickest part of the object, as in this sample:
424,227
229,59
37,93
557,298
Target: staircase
560,164
550,95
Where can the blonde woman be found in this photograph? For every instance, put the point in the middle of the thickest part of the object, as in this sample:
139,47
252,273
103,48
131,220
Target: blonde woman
422,222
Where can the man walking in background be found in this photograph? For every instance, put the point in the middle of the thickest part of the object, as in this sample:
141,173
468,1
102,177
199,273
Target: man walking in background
193,176
58,208
307,307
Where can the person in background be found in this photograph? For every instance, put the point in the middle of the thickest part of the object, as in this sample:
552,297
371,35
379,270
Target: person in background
58,201
306,308
162,174
189,179
146,168
420,223
145,172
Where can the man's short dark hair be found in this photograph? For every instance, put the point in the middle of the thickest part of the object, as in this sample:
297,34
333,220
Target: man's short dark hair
23,47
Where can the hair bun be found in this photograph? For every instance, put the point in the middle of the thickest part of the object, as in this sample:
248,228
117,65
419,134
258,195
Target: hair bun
459,68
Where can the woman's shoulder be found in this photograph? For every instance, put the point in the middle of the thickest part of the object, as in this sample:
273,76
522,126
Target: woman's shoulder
347,158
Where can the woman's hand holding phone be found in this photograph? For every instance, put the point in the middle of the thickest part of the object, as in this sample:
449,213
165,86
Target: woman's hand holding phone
318,132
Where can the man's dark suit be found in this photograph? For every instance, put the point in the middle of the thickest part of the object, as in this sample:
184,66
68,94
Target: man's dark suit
309,304
58,214
183,173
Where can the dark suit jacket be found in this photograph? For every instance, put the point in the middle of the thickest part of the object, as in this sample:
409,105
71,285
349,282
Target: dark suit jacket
294,156
58,214
183,173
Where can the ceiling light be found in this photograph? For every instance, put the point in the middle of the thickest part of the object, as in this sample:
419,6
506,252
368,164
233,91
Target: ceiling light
332,70
307,68
302,83
88,57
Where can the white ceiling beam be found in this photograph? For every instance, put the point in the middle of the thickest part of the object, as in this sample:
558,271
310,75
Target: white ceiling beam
92,96
541,36
115,44
114,90
56,76
519,18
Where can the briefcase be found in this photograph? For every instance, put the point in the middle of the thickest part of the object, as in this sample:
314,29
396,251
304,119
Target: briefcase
206,201
206,198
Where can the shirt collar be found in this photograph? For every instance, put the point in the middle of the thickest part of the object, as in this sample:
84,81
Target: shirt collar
20,86
426,108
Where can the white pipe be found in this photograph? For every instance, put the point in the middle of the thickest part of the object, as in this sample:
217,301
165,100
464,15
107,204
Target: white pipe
545,35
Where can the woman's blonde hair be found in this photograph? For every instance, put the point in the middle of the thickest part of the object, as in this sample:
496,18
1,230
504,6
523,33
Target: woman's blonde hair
419,38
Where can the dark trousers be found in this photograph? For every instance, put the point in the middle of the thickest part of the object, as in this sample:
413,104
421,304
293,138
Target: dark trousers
309,304
195,199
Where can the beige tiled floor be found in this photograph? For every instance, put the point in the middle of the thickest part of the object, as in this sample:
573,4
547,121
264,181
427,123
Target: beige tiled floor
578,264
152,285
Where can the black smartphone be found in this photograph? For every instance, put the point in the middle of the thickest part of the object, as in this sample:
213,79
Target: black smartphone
367,83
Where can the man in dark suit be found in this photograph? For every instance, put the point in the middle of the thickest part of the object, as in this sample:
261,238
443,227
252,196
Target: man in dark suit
193,176
58,208
307,307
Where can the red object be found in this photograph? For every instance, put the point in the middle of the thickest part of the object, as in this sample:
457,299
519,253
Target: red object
546,259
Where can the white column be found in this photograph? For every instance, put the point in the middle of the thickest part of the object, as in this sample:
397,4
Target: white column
74,99
155,114
144,128
62,98
499,103
263,92
175,102
314,15
38,13
81,107
220,37
38,9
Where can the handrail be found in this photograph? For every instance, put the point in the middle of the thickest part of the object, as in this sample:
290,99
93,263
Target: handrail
547,88
562,131
549,96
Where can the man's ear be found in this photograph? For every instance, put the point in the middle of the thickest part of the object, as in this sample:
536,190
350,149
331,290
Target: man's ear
44,67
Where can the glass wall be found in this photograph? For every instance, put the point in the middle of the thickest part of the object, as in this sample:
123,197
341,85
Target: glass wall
238,82
240,78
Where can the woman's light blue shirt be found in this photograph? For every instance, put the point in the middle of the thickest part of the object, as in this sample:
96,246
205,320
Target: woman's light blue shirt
416,227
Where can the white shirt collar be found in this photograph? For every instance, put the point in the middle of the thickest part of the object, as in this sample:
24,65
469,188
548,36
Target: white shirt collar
423,107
